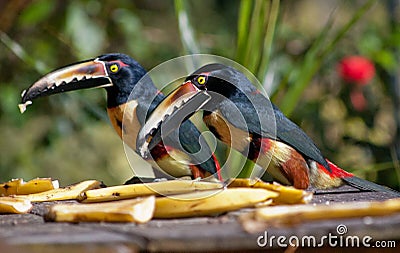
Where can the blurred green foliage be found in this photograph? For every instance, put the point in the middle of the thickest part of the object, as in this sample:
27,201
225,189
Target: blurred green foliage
293,47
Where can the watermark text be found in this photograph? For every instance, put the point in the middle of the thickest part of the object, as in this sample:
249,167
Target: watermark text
340,239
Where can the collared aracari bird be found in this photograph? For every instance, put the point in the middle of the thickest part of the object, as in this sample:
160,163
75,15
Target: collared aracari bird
286,152
119,74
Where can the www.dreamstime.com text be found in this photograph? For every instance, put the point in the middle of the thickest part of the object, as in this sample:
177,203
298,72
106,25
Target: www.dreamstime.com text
332,240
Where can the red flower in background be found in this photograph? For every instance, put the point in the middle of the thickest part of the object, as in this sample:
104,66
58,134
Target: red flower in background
356,69
359,71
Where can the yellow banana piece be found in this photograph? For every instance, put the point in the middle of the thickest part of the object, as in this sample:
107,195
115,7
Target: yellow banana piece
287,194
301,213
210,202
15,204
69,192
19,187
138,190
138,210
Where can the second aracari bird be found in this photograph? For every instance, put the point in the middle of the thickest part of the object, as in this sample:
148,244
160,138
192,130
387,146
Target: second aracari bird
266,136
119,74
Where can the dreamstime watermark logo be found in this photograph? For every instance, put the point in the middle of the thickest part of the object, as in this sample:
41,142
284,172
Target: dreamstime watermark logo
340,239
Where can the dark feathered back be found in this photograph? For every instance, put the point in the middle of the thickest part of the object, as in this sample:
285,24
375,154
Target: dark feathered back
238,89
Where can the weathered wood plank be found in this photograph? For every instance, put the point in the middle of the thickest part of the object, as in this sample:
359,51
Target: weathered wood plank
29,233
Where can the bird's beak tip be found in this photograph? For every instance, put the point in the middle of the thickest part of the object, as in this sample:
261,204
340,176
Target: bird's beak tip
22,107
83,75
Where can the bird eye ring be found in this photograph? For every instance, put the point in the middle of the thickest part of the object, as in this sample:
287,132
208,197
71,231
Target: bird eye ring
114,68
201,80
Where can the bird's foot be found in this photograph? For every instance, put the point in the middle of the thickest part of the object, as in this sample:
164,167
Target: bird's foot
163,179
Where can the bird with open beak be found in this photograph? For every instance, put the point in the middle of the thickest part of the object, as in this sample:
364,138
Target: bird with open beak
268,137
131,96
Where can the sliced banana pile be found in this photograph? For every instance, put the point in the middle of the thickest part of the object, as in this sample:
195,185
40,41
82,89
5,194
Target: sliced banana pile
272,204
141,202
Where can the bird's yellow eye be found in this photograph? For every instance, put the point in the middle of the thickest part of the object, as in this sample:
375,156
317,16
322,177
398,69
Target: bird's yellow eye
114,68
201,80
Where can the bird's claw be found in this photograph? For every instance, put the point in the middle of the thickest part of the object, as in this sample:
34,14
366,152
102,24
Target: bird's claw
163,179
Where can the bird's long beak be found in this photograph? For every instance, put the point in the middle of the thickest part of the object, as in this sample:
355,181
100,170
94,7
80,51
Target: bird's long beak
82,75
178,106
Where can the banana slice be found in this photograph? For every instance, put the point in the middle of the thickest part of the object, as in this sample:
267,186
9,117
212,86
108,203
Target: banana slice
69,192
19,187
287,194
138,190
15,204
210,202
302,213
133,210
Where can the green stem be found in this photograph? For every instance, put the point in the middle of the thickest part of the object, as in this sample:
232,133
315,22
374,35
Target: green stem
314,59
252,53
185,29
243,25
374,167
18,50
246,170
269,36
356,17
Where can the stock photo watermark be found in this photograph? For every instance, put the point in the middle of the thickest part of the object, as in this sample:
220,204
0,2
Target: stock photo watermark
340,239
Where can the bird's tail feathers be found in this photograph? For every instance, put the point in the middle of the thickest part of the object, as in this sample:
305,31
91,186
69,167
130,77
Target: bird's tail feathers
366,185
359,183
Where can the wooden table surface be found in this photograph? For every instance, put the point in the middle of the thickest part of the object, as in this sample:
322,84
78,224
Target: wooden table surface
30,233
